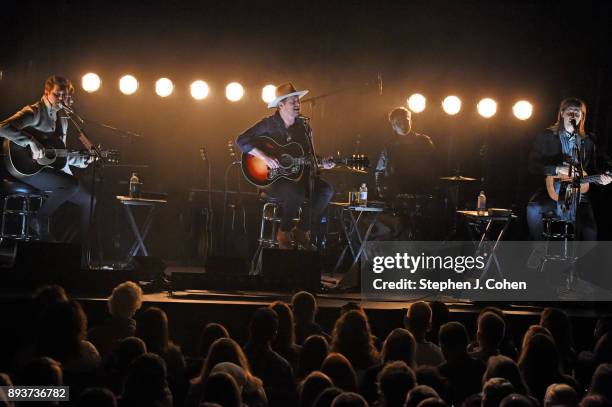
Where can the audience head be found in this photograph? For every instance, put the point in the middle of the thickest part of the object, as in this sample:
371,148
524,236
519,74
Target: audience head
237,373
224,350
127,350
312,386
601,383
352,337
62,330
602,326
432,402
594,400
539,357
560,327
146,380
264,326
495,390
304,307
285,337
453,339
97,397
313,353
430,376
340,370
42,371
152,328
504,367
534,330
517,400
349,399
125,300
400,345
491,330
350,306
210,334
439,316
603,349
418,394
221,388
560,394
326,397
395,380
48,295
418,319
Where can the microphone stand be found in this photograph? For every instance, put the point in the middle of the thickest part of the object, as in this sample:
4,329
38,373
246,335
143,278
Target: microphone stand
97,154
312,170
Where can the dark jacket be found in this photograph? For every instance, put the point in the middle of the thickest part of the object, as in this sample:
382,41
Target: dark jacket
274,128
547,153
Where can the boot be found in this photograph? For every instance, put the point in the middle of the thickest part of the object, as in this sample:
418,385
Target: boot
302,239
285,242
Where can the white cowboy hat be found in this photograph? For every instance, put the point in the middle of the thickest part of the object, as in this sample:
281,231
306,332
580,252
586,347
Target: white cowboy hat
283,92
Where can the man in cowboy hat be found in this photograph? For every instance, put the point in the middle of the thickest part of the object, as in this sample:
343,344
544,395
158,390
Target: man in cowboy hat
284,126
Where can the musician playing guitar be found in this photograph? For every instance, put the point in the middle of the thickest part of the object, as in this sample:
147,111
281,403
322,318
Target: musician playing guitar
564,143
287,126
47,118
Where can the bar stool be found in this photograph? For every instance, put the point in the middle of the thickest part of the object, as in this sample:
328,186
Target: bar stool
270,223
559,230
19,203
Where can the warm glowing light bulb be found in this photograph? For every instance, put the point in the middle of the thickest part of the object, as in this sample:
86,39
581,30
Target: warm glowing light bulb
487,107
522,110
268,93
416,103
234,92
164,87
199,90
451,105
128,84
91,82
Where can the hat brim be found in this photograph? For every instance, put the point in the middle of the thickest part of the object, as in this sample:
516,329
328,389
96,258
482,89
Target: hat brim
275,102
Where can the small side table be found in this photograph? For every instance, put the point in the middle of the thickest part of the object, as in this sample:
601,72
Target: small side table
139,234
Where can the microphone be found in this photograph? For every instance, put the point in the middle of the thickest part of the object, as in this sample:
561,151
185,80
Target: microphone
71,112
573,123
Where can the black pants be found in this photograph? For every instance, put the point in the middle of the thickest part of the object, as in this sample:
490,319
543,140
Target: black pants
540,204
59,188
293,195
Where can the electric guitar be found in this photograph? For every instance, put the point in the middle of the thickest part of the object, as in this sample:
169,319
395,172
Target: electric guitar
292,161
20,164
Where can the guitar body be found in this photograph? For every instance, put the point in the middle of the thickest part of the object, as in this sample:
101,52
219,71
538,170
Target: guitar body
551,181
289,156
19,162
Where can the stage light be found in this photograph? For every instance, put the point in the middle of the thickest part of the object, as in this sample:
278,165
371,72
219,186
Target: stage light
128,84
487,107
90,82
451,105
268,93
164,87
234,92
416,103
522,110
199,90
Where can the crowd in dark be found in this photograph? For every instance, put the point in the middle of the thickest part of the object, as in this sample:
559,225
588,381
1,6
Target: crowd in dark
289,360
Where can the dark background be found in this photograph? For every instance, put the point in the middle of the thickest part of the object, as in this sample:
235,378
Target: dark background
541,51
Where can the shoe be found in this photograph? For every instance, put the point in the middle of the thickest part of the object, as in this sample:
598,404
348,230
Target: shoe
302,239
284,239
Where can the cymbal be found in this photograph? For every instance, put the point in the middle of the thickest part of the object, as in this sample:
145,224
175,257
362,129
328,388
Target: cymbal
457,178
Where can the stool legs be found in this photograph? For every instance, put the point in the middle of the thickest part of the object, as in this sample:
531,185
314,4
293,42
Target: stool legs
23,213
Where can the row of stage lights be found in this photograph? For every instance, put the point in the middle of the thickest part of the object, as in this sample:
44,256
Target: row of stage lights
234,91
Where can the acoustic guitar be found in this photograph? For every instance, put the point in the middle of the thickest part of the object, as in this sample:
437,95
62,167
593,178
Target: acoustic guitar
292,162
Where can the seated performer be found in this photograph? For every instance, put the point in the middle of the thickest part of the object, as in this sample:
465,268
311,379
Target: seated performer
47,116
551,152
286,126
406,171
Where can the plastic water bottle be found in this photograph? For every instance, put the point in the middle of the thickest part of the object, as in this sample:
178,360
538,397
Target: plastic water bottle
134,186
363,195
482,204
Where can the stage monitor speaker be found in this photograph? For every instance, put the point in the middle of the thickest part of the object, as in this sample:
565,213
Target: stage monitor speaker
146,267
291,270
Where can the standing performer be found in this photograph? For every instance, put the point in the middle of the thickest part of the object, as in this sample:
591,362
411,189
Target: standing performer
284,126
551,154
48,117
